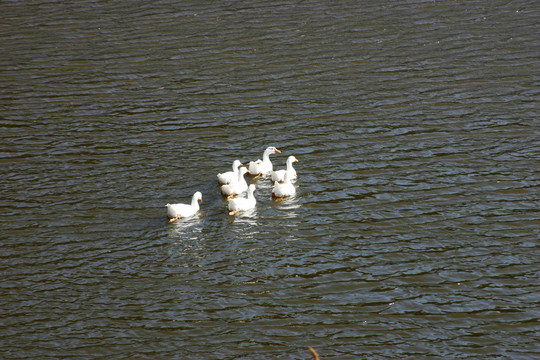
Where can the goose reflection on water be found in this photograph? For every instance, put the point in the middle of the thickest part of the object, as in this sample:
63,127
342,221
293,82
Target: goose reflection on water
185,226
247,217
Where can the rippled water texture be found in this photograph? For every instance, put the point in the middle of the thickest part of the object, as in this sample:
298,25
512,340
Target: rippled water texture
414,231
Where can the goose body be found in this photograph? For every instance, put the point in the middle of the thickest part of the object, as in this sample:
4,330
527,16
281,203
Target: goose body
230,176
286,188
177,211
264,166
242,204
279,175
237,187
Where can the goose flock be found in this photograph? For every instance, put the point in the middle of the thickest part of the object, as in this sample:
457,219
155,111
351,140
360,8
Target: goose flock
233,183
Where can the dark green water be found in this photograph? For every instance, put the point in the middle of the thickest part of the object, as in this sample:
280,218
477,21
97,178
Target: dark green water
415,229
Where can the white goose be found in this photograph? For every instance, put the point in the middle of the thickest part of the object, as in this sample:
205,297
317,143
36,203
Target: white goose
177,211
286,188
264,166
237,187
279,175
242,204
230,176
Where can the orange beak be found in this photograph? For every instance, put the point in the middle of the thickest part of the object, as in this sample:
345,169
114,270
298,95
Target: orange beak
277,150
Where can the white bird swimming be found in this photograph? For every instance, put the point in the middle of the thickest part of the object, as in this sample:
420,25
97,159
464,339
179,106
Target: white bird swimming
286,188
177,211
242,204
279,175
237,187
264,166
230,176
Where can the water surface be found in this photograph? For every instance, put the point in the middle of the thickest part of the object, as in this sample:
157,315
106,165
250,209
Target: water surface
414,231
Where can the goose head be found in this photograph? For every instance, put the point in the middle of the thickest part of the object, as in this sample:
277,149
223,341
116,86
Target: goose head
236,164
272,150
291,159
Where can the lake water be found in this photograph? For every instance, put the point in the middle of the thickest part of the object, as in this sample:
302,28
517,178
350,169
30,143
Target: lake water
415,229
